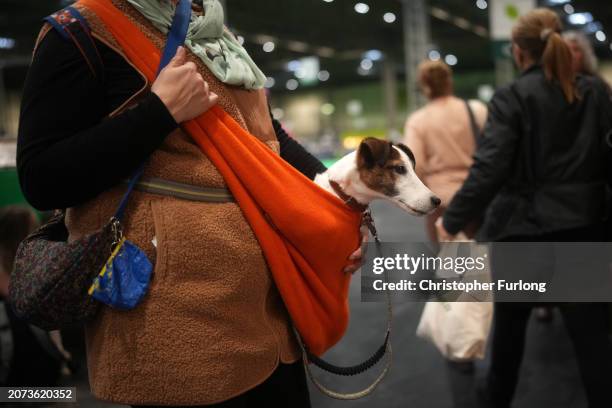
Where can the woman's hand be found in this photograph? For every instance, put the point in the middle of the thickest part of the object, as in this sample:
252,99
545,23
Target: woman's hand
182,89
443,234
357,258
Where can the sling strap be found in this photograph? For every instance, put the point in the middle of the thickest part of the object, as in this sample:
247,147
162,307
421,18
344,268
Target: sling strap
306,234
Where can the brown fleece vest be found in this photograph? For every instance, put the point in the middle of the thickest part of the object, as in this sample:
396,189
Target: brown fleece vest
213,324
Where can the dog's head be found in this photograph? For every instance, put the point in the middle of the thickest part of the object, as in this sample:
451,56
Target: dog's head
388,170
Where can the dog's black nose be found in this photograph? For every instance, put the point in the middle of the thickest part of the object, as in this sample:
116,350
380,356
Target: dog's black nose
435,201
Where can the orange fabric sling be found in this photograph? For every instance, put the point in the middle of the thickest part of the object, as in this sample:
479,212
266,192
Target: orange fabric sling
305,233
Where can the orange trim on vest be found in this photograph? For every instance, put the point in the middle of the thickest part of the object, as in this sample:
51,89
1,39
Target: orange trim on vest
305,232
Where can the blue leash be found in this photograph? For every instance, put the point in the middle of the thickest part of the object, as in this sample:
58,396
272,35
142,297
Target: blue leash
176,38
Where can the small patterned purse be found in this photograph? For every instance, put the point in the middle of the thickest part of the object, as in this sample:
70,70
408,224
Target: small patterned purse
56,283
51,276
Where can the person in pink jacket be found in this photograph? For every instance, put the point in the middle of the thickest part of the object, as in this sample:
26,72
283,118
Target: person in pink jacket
442,135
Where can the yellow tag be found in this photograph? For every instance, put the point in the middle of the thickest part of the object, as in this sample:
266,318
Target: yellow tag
96,284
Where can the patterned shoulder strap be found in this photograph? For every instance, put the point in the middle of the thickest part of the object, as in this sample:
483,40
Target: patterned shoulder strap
72,26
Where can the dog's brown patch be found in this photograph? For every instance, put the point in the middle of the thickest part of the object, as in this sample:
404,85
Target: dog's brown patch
377,164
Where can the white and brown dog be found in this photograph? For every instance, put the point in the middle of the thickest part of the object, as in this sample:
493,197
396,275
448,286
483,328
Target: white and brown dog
379,169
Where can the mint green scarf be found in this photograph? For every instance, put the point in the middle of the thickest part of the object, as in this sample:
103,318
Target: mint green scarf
209,40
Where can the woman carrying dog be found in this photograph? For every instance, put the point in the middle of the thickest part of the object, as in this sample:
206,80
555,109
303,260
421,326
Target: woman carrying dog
442,135
545,131
212,329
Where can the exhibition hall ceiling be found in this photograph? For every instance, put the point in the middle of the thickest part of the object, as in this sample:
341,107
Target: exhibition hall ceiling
338,32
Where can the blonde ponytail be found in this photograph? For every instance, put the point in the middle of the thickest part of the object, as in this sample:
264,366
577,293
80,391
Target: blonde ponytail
557,63
538,34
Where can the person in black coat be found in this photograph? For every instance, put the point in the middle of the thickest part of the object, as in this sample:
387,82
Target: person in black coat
540,175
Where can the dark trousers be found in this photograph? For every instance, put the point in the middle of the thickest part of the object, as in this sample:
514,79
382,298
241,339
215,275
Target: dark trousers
587,325
587,328
286,387
610,320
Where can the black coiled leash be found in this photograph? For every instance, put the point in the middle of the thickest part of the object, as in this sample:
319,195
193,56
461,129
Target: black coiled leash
384,349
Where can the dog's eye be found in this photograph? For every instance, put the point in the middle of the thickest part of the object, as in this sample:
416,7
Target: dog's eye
400,169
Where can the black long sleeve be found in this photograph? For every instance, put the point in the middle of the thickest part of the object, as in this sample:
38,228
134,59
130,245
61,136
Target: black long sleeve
492,163
70,151
541,166
294,153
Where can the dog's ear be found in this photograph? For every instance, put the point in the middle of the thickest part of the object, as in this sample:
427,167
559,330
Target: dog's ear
408,152
373,152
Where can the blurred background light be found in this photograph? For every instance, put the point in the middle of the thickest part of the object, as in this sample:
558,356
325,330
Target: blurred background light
362,8
580,18
278,113
269,46
482,4
366,64
327,109
7,43
292,84
593,27
374,55
451,60
354,107
294,65
270,82
434,55
389,17
323,75
308,70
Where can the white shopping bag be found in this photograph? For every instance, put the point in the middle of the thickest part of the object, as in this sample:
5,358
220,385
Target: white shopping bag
459,330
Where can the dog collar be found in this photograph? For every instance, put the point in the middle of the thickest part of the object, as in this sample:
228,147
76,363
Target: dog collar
348,200
355,205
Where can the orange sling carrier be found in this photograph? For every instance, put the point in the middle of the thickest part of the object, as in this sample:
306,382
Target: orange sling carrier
305,233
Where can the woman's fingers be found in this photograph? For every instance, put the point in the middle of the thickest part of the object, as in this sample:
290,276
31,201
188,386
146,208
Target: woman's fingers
352,268
179,58
211,100
183,89
357,258
357,255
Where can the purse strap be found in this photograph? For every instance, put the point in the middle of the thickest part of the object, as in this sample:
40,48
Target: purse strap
473,123
176,38
70,24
